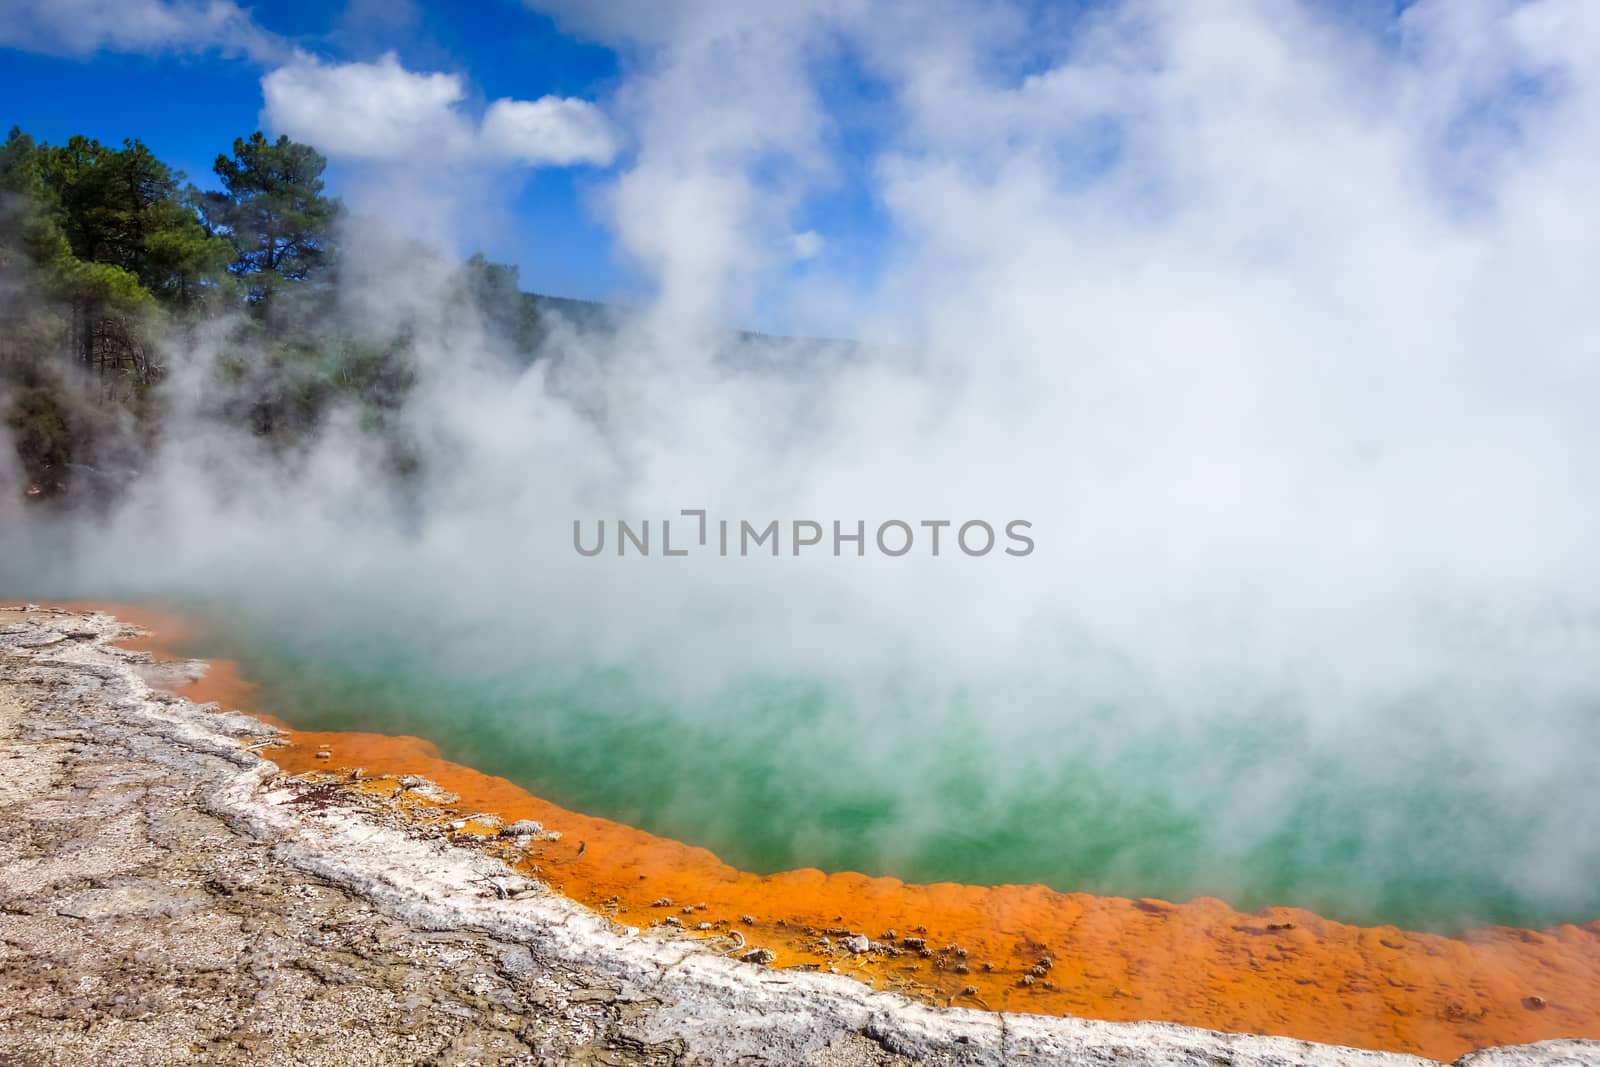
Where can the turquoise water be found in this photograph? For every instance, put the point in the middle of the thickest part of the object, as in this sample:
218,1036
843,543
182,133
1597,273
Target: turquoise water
1403,816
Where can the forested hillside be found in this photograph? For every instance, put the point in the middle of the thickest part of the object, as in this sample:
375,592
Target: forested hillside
113,266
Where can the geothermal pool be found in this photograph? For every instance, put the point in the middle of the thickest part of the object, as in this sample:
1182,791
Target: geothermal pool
1022,948
1416,819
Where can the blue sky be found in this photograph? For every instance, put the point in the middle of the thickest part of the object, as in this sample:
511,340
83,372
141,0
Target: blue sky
190,105
189,76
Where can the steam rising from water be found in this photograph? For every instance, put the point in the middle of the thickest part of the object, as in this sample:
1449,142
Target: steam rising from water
1278,325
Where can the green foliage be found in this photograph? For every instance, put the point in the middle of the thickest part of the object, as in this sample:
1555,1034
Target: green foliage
496,292
109,257
273,211
289,389
124,208
19,158
101,240
38,424
28,231
108,289
187,265
49,431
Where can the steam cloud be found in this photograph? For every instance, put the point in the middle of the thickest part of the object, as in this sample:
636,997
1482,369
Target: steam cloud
1276,321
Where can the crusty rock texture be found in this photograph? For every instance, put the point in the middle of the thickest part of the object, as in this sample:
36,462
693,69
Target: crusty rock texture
168,896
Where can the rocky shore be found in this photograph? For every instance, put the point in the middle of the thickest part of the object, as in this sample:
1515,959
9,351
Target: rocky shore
168,895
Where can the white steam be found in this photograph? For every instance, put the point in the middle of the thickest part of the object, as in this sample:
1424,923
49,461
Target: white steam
1276,323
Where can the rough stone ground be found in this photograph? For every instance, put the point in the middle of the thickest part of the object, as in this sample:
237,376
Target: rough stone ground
167,896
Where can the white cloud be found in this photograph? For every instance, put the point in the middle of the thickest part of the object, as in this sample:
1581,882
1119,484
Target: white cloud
550,130
382,111
82,27
367,110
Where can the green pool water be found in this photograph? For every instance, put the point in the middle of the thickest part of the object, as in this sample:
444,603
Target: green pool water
1401,815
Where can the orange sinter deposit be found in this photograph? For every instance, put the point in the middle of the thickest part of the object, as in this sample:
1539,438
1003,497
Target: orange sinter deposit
1281,971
